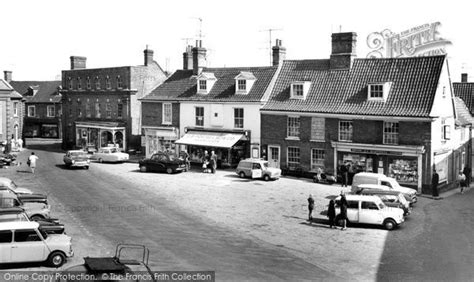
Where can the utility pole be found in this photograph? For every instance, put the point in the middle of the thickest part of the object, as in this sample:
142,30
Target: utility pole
270,30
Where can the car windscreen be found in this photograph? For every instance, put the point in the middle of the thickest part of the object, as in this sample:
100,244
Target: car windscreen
78,154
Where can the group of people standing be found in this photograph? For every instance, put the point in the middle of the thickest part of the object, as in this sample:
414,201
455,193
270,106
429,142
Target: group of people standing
331,212
209,164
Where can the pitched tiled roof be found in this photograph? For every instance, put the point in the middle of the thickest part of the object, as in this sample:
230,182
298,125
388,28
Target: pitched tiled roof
46,91
413,86
465,91
182,86
5,86
462,112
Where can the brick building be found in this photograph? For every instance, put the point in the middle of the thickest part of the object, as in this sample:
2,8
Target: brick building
11,114
42,108
395,116
100,105
204,108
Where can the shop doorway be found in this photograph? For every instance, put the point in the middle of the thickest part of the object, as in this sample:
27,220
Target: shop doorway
105,138
274,156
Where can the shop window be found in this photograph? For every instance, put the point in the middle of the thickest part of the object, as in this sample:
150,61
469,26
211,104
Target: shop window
293,157
50,111
293,127
390,133
317,129
405,171
345,130
199,116
108,110
167,113
238,118
317,159
31,111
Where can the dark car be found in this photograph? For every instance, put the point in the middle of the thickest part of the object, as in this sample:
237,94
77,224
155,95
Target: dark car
26,198
50,225
162,162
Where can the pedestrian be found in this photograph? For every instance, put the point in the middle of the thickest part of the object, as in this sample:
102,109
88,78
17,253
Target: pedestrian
462,181
467,172
310,207
344,174
32,161
185,157
205,162
331,214
434,184
213,162
343,214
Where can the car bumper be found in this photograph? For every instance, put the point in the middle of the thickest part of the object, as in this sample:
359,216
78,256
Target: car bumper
79,164
180,168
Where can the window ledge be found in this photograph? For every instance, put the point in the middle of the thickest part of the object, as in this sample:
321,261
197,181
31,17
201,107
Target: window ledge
292,138
166,123
315,140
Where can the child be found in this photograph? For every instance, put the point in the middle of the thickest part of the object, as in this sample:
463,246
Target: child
331,214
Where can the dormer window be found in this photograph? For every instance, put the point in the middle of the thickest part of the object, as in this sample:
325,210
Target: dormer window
378,91
205,82
244,82
299,89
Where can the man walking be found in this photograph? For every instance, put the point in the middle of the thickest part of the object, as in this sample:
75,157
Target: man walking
434,185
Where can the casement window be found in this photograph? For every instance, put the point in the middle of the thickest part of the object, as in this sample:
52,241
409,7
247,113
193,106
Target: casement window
31,111
119,82
445,131
299,89
199,116
318,129
238,118
50,111
88,83
15,108
97,110
119,110
108,110
203,85
244,82
97,82
390,133
167,113
345,130
205,82
378,91
242,85
293,127
88,110
317,158
108,85
293,157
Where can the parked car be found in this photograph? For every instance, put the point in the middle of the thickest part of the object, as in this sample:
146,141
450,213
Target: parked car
110,154
35,198
49,225
257,168
34,210
24,242
381,179
76,158
370,210
389,197
6,159
162,162
7,182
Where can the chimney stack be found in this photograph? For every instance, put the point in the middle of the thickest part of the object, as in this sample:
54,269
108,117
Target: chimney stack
148,56
463,77
279,53
343,50
199,58
188,58
7,75
78,62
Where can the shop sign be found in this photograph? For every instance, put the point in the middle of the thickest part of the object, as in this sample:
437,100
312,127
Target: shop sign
375,152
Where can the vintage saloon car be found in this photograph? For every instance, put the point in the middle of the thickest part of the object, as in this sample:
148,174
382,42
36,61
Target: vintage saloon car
162,162
48,225
110,155
76,158
10,184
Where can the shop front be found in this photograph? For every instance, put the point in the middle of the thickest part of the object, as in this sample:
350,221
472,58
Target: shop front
230,147
91,135
404,163
160,139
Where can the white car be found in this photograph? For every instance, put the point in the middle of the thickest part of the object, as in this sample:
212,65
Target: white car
110,154
23,241
7,182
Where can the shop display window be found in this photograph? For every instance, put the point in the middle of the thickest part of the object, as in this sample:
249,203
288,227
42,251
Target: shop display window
404,171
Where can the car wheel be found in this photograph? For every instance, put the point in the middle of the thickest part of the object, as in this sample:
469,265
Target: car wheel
36,217
169,170
242,174
86,167
266,177
389,224
143,168
100,160
56,259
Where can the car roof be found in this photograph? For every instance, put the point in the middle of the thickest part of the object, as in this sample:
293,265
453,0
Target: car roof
11,210
18,225
253,160
5,179
76,151
353,197
375,190
371,174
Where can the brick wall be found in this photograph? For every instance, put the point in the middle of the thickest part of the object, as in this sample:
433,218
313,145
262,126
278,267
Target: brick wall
152,114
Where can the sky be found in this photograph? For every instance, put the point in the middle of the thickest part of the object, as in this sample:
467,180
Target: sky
39,36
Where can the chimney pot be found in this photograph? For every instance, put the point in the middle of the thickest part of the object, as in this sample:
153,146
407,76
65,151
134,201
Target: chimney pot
78,62
278,52
188,58
199,58
463,77
7,75
148,56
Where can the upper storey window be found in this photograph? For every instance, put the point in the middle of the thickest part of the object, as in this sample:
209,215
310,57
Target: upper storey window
378,91
244,82
205,82
299,89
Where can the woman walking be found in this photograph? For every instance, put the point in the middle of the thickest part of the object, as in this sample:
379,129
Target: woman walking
32,161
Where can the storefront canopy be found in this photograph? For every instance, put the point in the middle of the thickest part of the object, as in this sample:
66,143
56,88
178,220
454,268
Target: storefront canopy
210,139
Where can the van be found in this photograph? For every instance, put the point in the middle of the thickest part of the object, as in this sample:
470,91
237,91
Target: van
257,168
381,179
23,241
370,210
389,197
